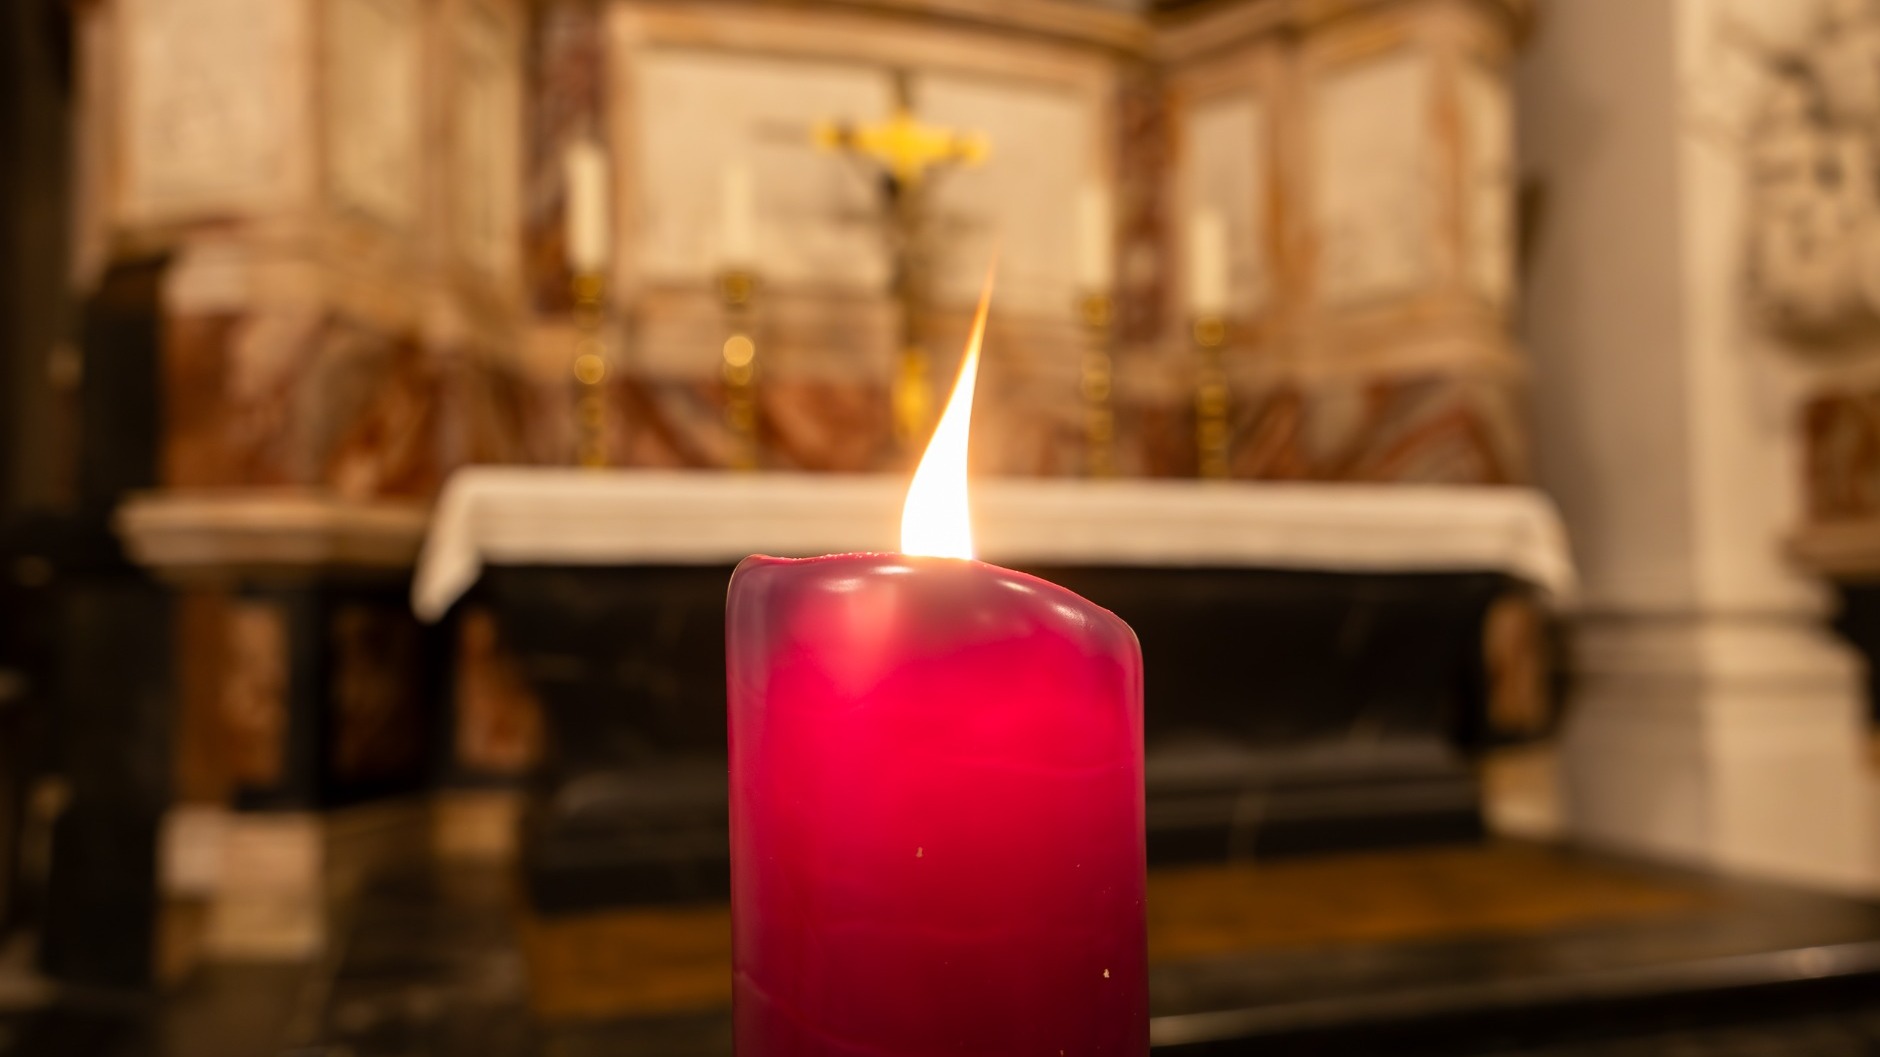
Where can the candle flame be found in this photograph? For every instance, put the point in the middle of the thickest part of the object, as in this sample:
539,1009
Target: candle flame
937,522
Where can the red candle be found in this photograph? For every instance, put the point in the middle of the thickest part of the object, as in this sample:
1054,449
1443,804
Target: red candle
936,800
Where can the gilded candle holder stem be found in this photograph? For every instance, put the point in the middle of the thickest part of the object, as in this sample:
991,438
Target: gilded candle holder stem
1211,397
738,366
590,369
1097,385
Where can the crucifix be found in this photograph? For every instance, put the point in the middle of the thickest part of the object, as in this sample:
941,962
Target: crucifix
902,154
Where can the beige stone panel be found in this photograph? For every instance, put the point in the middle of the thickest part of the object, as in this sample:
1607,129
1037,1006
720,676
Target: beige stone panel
371,87
1488,160
485,110
1373,178
1047,143
857,46
215,111
1225,167
700,112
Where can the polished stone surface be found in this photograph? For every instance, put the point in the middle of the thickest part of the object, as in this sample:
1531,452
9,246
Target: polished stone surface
1492,949
1487,951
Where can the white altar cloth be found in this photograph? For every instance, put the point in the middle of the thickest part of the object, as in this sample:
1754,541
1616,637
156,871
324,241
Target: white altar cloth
565,516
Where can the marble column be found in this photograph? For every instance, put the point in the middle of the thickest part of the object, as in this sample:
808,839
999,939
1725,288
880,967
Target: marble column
1713,718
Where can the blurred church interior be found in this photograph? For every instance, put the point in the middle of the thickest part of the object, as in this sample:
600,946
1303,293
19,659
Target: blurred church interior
1474,406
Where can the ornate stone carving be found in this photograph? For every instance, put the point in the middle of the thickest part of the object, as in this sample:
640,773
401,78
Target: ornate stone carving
1815,225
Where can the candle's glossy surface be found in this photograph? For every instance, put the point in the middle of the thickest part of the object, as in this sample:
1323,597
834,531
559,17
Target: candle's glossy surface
936,812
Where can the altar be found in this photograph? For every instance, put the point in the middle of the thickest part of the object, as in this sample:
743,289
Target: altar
1323,662
595,299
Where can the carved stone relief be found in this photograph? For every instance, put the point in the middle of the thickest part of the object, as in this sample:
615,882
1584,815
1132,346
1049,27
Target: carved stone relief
1815,180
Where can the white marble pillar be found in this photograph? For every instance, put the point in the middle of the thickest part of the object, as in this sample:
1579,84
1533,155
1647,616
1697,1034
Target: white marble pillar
1712,717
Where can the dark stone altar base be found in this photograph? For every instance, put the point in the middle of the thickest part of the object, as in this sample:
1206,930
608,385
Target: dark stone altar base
1858,621
1286,712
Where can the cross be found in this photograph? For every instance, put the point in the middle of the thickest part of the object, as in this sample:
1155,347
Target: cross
904,151
904,146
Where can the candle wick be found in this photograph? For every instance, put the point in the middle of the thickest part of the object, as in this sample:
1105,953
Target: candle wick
1106,974
920,853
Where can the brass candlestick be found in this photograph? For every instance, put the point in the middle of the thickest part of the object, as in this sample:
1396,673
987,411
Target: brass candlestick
1211,398
1097,311
739,368
590,369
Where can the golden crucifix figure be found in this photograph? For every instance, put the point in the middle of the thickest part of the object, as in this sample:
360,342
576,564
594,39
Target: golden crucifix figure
903,152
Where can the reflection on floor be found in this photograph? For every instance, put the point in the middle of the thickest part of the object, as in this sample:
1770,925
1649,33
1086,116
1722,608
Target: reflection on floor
226,1011
1402,897
1485,950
